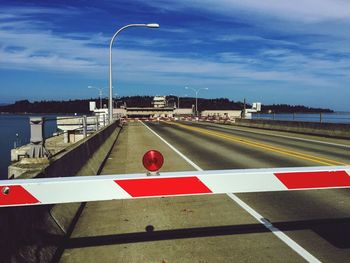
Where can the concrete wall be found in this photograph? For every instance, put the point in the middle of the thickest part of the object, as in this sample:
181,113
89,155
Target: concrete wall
119,111
314,128
68,123
222,113
183,111
36,234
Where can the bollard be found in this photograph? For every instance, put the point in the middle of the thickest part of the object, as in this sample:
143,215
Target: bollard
84,126
37,138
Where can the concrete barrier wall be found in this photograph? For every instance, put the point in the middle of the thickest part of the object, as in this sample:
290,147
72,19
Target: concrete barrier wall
37,234
322,129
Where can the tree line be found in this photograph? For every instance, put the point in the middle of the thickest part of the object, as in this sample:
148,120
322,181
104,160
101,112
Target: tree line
82,105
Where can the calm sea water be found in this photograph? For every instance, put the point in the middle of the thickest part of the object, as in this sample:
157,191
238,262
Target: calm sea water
10,125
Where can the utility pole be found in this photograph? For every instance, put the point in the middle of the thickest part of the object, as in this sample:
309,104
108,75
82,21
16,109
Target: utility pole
244,108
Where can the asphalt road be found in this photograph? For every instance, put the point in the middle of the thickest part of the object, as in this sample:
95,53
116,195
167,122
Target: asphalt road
224,147
216,228
214,147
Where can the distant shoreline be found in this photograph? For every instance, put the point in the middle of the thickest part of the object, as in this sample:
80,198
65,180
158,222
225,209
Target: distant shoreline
25,107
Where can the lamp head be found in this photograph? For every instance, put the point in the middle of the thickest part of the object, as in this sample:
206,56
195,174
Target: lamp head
152,25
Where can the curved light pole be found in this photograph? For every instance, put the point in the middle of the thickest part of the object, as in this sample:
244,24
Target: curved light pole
196,91
110,104
100,93
178,99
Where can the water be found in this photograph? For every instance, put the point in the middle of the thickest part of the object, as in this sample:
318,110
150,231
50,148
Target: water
337,117
10,125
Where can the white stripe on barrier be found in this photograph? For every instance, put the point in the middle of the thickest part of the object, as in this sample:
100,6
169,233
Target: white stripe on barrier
240,183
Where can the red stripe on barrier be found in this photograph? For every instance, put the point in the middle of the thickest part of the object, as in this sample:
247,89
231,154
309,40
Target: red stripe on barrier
163,186
300,180
16,195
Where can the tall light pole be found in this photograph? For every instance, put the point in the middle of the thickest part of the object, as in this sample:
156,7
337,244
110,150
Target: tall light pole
196,91
100,93
110,104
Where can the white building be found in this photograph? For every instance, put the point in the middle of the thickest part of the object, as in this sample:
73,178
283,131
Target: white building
256,107
159,102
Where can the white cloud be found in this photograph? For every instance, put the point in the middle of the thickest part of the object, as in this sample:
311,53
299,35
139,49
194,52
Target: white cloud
308,11
38,49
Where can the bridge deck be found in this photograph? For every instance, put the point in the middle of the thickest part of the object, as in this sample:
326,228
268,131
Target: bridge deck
214,228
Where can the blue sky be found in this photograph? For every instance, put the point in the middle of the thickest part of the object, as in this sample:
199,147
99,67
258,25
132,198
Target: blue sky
273,51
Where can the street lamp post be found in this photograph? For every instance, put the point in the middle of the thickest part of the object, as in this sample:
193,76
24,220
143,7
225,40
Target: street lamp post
110,104
100,93
196,91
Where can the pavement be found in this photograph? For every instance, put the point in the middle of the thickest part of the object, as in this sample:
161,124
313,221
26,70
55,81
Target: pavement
217,228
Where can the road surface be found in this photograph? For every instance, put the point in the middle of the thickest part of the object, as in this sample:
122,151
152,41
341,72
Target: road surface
306,225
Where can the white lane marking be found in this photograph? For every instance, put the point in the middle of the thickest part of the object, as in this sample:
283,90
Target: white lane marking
286,136
278,233
195,166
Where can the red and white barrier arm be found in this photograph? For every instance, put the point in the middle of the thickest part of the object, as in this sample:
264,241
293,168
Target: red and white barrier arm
108,187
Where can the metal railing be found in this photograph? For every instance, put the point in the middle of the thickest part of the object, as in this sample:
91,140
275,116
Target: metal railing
68,126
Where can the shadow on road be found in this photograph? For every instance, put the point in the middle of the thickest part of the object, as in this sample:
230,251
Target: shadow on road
335,231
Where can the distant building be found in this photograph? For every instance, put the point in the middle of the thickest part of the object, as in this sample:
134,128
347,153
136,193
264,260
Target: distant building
159,102
256,107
